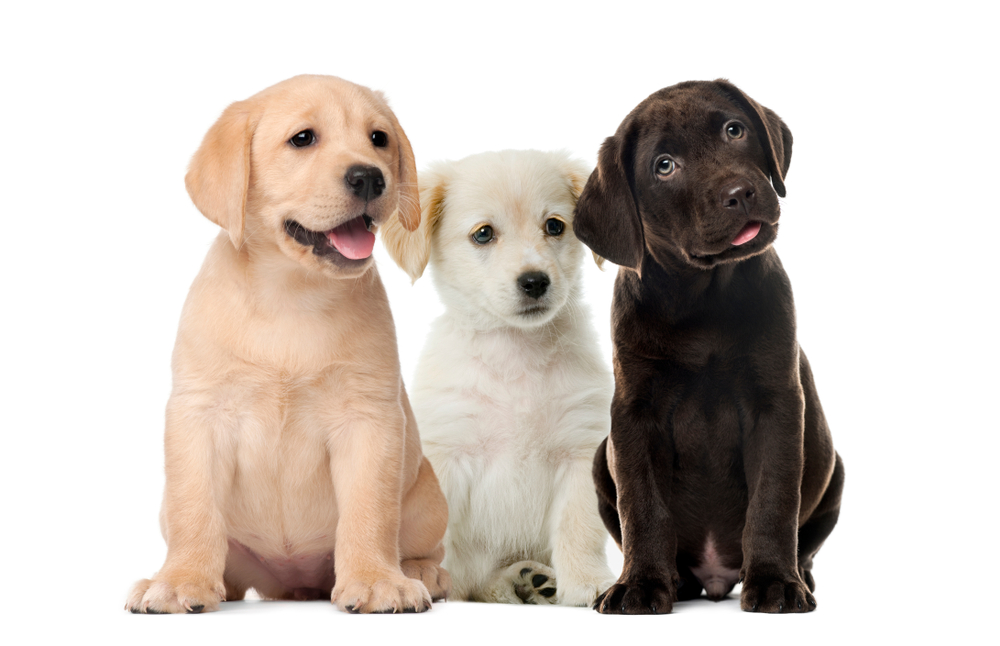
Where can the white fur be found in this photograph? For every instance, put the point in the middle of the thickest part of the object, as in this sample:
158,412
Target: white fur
511,407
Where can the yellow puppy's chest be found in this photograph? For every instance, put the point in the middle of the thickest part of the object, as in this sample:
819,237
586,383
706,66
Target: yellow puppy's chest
281,501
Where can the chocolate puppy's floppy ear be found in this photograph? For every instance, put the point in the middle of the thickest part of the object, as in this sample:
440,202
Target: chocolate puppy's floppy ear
606,217
219,175
774,135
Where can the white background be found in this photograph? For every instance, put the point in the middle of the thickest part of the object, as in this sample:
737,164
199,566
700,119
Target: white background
888,233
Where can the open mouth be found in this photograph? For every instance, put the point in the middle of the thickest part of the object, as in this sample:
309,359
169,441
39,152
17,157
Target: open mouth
353,239
747,233
738,247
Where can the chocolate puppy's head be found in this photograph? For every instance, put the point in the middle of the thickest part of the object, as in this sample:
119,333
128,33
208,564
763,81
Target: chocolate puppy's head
688,175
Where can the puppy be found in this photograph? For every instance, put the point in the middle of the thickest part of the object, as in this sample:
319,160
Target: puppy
293,463
510,393
719,467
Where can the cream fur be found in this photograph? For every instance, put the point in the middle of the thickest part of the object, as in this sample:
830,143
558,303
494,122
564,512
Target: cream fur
293,463
511,407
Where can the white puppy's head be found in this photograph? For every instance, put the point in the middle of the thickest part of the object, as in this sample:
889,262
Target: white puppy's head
497,228
308,167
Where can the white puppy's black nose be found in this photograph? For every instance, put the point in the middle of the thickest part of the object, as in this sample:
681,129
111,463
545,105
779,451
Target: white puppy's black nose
367,182
534,283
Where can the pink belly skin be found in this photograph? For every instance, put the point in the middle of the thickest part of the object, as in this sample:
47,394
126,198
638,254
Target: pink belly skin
716,578
293,576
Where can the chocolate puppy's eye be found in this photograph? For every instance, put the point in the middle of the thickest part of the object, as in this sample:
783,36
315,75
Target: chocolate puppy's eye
665,166
303,139
735,130
380,139
554,226
483,234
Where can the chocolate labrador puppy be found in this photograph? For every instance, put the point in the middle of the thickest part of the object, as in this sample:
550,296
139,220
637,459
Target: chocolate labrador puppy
720,467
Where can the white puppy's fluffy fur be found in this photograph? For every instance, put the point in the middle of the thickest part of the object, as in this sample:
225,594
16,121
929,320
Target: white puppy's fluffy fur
511,395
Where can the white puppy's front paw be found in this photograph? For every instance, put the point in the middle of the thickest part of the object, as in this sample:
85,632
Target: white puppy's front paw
582,593
531,582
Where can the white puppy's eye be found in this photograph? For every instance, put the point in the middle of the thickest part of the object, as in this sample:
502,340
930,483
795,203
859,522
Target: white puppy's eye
303,139
735,130
665,166
483,234
554,226
380,139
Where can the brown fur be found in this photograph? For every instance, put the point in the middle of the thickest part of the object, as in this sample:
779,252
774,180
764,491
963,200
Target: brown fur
719,466
293,462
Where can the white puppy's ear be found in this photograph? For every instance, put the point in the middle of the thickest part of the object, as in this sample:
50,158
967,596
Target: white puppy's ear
412,249
577,173
219,175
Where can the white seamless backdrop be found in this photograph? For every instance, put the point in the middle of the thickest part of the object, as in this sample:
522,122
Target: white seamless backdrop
888,235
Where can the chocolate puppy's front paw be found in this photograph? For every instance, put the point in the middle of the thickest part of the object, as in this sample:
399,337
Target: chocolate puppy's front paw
771,593
649,596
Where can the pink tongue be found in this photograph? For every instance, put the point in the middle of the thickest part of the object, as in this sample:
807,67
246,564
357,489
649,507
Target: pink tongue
747,233
352,239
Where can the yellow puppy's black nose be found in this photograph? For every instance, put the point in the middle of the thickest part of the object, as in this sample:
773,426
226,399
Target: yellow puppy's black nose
367,182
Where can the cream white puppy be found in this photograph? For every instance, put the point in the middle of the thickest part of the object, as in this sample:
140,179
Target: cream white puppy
511,394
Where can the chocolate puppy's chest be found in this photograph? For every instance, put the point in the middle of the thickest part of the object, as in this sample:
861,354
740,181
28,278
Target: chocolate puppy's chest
704,422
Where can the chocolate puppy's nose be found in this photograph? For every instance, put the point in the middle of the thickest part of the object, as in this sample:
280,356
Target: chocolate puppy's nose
367,182
534,283
739,196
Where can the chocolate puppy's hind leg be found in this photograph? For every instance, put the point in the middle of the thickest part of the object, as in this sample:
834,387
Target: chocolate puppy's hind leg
689,587
607,493
820,524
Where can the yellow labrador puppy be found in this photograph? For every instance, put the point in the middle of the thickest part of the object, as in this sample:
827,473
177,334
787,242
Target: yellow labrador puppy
293,463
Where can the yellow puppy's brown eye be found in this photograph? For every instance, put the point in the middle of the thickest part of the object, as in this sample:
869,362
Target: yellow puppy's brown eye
735,130
380,139
483,234
303,139
554,226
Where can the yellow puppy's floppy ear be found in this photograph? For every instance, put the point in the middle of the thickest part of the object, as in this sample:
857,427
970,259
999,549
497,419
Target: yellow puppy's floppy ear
408,210
219,175
412,249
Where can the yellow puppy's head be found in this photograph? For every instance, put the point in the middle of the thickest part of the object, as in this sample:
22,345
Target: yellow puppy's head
311,166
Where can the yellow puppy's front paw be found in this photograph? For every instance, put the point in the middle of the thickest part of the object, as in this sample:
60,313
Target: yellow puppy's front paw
170,595
434,577
386,595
